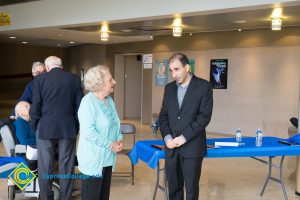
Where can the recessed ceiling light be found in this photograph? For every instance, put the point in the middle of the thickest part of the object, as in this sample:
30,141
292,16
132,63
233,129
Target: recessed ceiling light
239,30
12,37
24,42
127,30
72,42
60,35
191,33
240,21
151,37
276,19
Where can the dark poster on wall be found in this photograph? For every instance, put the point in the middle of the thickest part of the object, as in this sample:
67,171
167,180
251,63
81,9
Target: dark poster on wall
218,73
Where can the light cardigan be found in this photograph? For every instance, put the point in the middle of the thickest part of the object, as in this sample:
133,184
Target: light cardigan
99,127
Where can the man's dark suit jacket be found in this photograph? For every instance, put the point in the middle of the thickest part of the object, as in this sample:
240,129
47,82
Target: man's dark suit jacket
56,99
190,120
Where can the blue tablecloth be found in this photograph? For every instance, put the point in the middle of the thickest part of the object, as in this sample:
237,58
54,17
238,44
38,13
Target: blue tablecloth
8,164
271,147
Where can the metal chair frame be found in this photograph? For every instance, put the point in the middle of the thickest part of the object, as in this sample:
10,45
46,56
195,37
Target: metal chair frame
127,129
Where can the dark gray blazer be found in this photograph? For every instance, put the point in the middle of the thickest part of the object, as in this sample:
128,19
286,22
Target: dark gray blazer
56,99
190,120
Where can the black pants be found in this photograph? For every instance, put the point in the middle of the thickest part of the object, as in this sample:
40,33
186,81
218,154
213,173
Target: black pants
95,188
182,171
66,159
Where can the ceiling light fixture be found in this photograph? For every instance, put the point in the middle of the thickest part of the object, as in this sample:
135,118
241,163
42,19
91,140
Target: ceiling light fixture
276,19
127,30
12,37
72,42
276,24
239,30
104,32
177,27
240,21
276,13
24,42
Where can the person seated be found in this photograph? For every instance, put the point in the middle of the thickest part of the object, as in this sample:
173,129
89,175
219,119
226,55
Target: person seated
24,133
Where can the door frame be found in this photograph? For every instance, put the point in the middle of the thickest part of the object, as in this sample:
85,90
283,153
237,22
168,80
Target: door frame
119,95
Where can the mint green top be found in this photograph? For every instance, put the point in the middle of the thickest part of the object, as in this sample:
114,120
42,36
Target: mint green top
99,127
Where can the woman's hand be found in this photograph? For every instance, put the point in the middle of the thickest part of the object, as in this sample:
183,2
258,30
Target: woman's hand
120,145
116,146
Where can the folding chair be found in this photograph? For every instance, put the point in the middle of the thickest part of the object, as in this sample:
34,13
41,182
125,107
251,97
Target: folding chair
127,129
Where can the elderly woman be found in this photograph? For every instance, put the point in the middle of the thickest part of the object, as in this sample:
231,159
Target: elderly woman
24,133
100,136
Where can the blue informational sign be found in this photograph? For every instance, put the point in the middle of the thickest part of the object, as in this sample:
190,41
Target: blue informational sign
161,72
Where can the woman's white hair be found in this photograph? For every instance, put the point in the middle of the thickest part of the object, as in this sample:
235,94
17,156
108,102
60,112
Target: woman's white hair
94,78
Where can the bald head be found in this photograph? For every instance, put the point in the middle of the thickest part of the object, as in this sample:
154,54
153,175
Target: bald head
52,62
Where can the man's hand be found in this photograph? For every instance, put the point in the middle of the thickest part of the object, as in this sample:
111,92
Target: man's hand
179,141
170,144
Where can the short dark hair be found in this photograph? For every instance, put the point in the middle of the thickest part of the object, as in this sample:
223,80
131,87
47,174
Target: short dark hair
181,57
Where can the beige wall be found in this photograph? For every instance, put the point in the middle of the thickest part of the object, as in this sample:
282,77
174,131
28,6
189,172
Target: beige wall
263,88
263,76
18,59
252,99
84,56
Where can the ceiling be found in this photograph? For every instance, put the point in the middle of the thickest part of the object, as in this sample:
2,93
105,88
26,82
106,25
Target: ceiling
143,30
11,2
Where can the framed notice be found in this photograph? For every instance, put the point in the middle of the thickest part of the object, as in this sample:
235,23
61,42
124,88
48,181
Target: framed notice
147,58
161,72
192,65
218,73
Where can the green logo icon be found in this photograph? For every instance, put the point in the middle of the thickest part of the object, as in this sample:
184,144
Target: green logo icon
21,176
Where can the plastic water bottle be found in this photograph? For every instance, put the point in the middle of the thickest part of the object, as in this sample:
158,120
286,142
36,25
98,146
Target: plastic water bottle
238,135
259,137
154,128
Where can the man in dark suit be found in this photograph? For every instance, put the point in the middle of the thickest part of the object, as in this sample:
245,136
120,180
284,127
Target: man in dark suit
56,98
186,111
